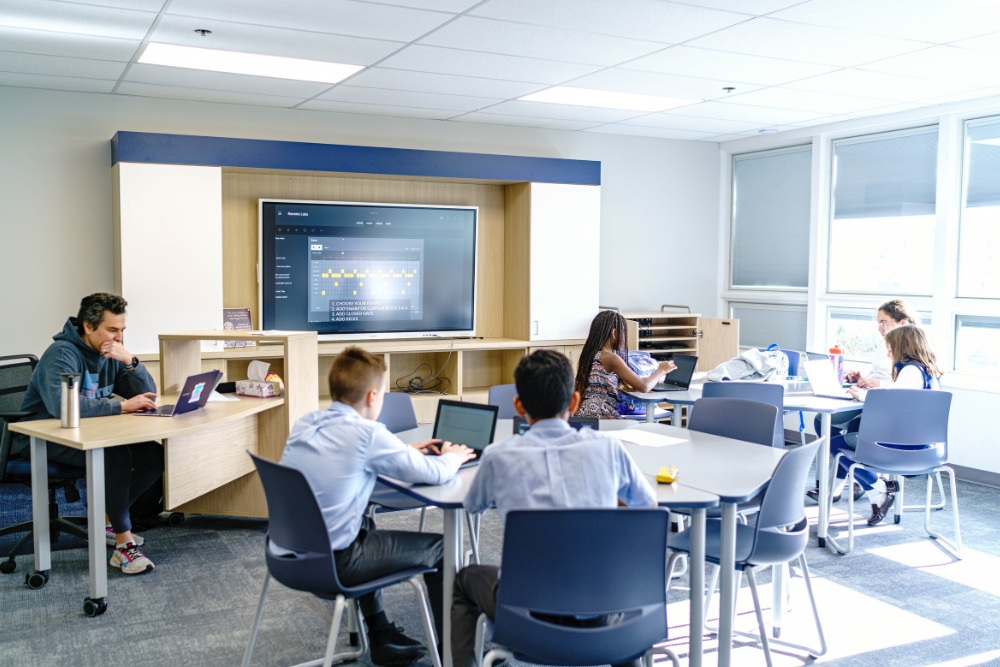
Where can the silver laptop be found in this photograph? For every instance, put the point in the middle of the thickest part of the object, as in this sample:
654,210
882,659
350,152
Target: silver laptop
194,396
823,380
679,379
471,424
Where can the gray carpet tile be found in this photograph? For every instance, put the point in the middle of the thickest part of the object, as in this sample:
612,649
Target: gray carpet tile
896,600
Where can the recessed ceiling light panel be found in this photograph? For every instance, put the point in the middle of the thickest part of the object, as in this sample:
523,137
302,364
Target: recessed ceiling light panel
254,64
606,99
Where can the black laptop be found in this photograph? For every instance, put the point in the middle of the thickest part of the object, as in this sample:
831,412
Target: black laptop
521,425
471,424
679,379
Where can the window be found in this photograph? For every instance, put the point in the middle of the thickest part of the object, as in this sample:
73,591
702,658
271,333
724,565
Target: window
977,345
884,196
763,324
770,221
979,240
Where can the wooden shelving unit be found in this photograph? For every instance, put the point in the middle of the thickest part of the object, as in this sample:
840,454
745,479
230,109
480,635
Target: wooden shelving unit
663,334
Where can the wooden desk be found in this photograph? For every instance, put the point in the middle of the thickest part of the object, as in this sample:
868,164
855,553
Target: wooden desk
203,450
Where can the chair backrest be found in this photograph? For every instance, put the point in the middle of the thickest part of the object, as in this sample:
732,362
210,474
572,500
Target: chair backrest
15,371
502,396
397,412
296,524
782,530
559,569
904,430
751,423
793,359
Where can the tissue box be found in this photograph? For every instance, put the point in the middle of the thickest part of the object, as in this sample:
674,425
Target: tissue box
258,388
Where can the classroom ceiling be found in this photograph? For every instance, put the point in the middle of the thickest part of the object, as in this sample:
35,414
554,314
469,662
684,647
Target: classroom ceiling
789,63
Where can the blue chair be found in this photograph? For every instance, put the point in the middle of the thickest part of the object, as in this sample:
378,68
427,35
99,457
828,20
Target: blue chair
502,396
556,577
905,432
397,412
762,392
737,418
779,536
299,555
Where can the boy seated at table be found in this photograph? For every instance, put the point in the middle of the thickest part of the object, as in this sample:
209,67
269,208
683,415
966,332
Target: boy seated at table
341,450
550,466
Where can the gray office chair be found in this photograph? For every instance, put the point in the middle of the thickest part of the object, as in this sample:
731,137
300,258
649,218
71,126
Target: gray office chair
502,396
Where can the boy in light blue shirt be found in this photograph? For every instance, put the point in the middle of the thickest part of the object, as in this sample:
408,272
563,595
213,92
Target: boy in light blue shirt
550,466
341,451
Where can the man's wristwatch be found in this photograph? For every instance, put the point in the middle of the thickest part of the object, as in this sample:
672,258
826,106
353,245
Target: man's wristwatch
131,366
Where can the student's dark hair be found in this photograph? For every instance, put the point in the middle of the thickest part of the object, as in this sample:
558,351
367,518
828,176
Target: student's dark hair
909,343
544,381
899,311
601,327
354,373
92,308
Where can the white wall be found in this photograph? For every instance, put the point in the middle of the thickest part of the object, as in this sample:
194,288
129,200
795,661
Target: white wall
56,230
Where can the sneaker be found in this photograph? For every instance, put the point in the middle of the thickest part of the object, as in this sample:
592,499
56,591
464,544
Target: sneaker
858,493
130,560
879,512
112,541
391,648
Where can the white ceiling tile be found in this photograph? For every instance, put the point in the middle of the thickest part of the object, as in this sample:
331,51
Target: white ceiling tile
76,85
397,79
878,85
453,6
205,95
72,18
60,66
804,100
63,44
762,116
934,21
250,38
561,111
755,7
235,83
338,17
944,63
488,65
713,125
654,20
406,98
520,121
731,137
476,34
376,109
651,83
733,67
658,133
145,5
795,41
989,43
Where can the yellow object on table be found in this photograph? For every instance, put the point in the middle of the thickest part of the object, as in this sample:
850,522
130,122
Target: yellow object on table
667,475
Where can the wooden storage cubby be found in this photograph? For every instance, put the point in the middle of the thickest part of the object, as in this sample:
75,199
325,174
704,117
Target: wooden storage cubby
664,334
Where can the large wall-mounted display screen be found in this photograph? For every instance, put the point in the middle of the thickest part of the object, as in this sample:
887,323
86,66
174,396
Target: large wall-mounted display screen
356,270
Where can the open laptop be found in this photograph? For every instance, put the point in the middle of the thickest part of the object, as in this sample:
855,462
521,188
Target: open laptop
194,395
823,380
679,379
470,424
521,424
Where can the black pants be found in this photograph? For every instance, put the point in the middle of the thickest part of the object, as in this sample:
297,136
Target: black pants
129,470
376,553
475,593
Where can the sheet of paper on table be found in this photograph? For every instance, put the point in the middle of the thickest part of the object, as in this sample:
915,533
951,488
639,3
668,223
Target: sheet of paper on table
645,438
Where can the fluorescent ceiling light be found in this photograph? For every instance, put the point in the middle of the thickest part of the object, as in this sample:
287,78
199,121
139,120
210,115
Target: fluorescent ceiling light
235,62
606,99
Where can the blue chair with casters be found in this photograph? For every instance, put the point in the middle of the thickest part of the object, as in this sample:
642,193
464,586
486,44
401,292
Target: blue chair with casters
502,396
770,393
299,555
557,593
905,432
779,536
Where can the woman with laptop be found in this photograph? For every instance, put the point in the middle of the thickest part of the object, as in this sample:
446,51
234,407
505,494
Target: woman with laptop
604,365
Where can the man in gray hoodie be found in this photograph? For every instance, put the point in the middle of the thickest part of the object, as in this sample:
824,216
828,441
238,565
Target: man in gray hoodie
112,381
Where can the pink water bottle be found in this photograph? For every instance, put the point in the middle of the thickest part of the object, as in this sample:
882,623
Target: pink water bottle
837,359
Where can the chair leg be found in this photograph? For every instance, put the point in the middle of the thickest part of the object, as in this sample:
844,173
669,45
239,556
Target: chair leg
248,653
331,641
423,519
473,522
430,637
496,654
647,658
956,547
940,505
752,580
480,638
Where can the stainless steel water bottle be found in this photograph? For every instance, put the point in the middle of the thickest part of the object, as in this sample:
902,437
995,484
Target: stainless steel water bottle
70,401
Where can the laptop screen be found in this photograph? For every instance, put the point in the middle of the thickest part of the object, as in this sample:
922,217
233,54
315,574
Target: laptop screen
469,424
521,424
681,376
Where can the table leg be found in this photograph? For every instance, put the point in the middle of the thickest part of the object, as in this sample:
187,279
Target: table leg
452,561
697,580
96,548
676,416
40,504
650,413
778,581
727,581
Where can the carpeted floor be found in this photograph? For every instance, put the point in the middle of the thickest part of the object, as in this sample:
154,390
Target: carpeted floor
897,600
